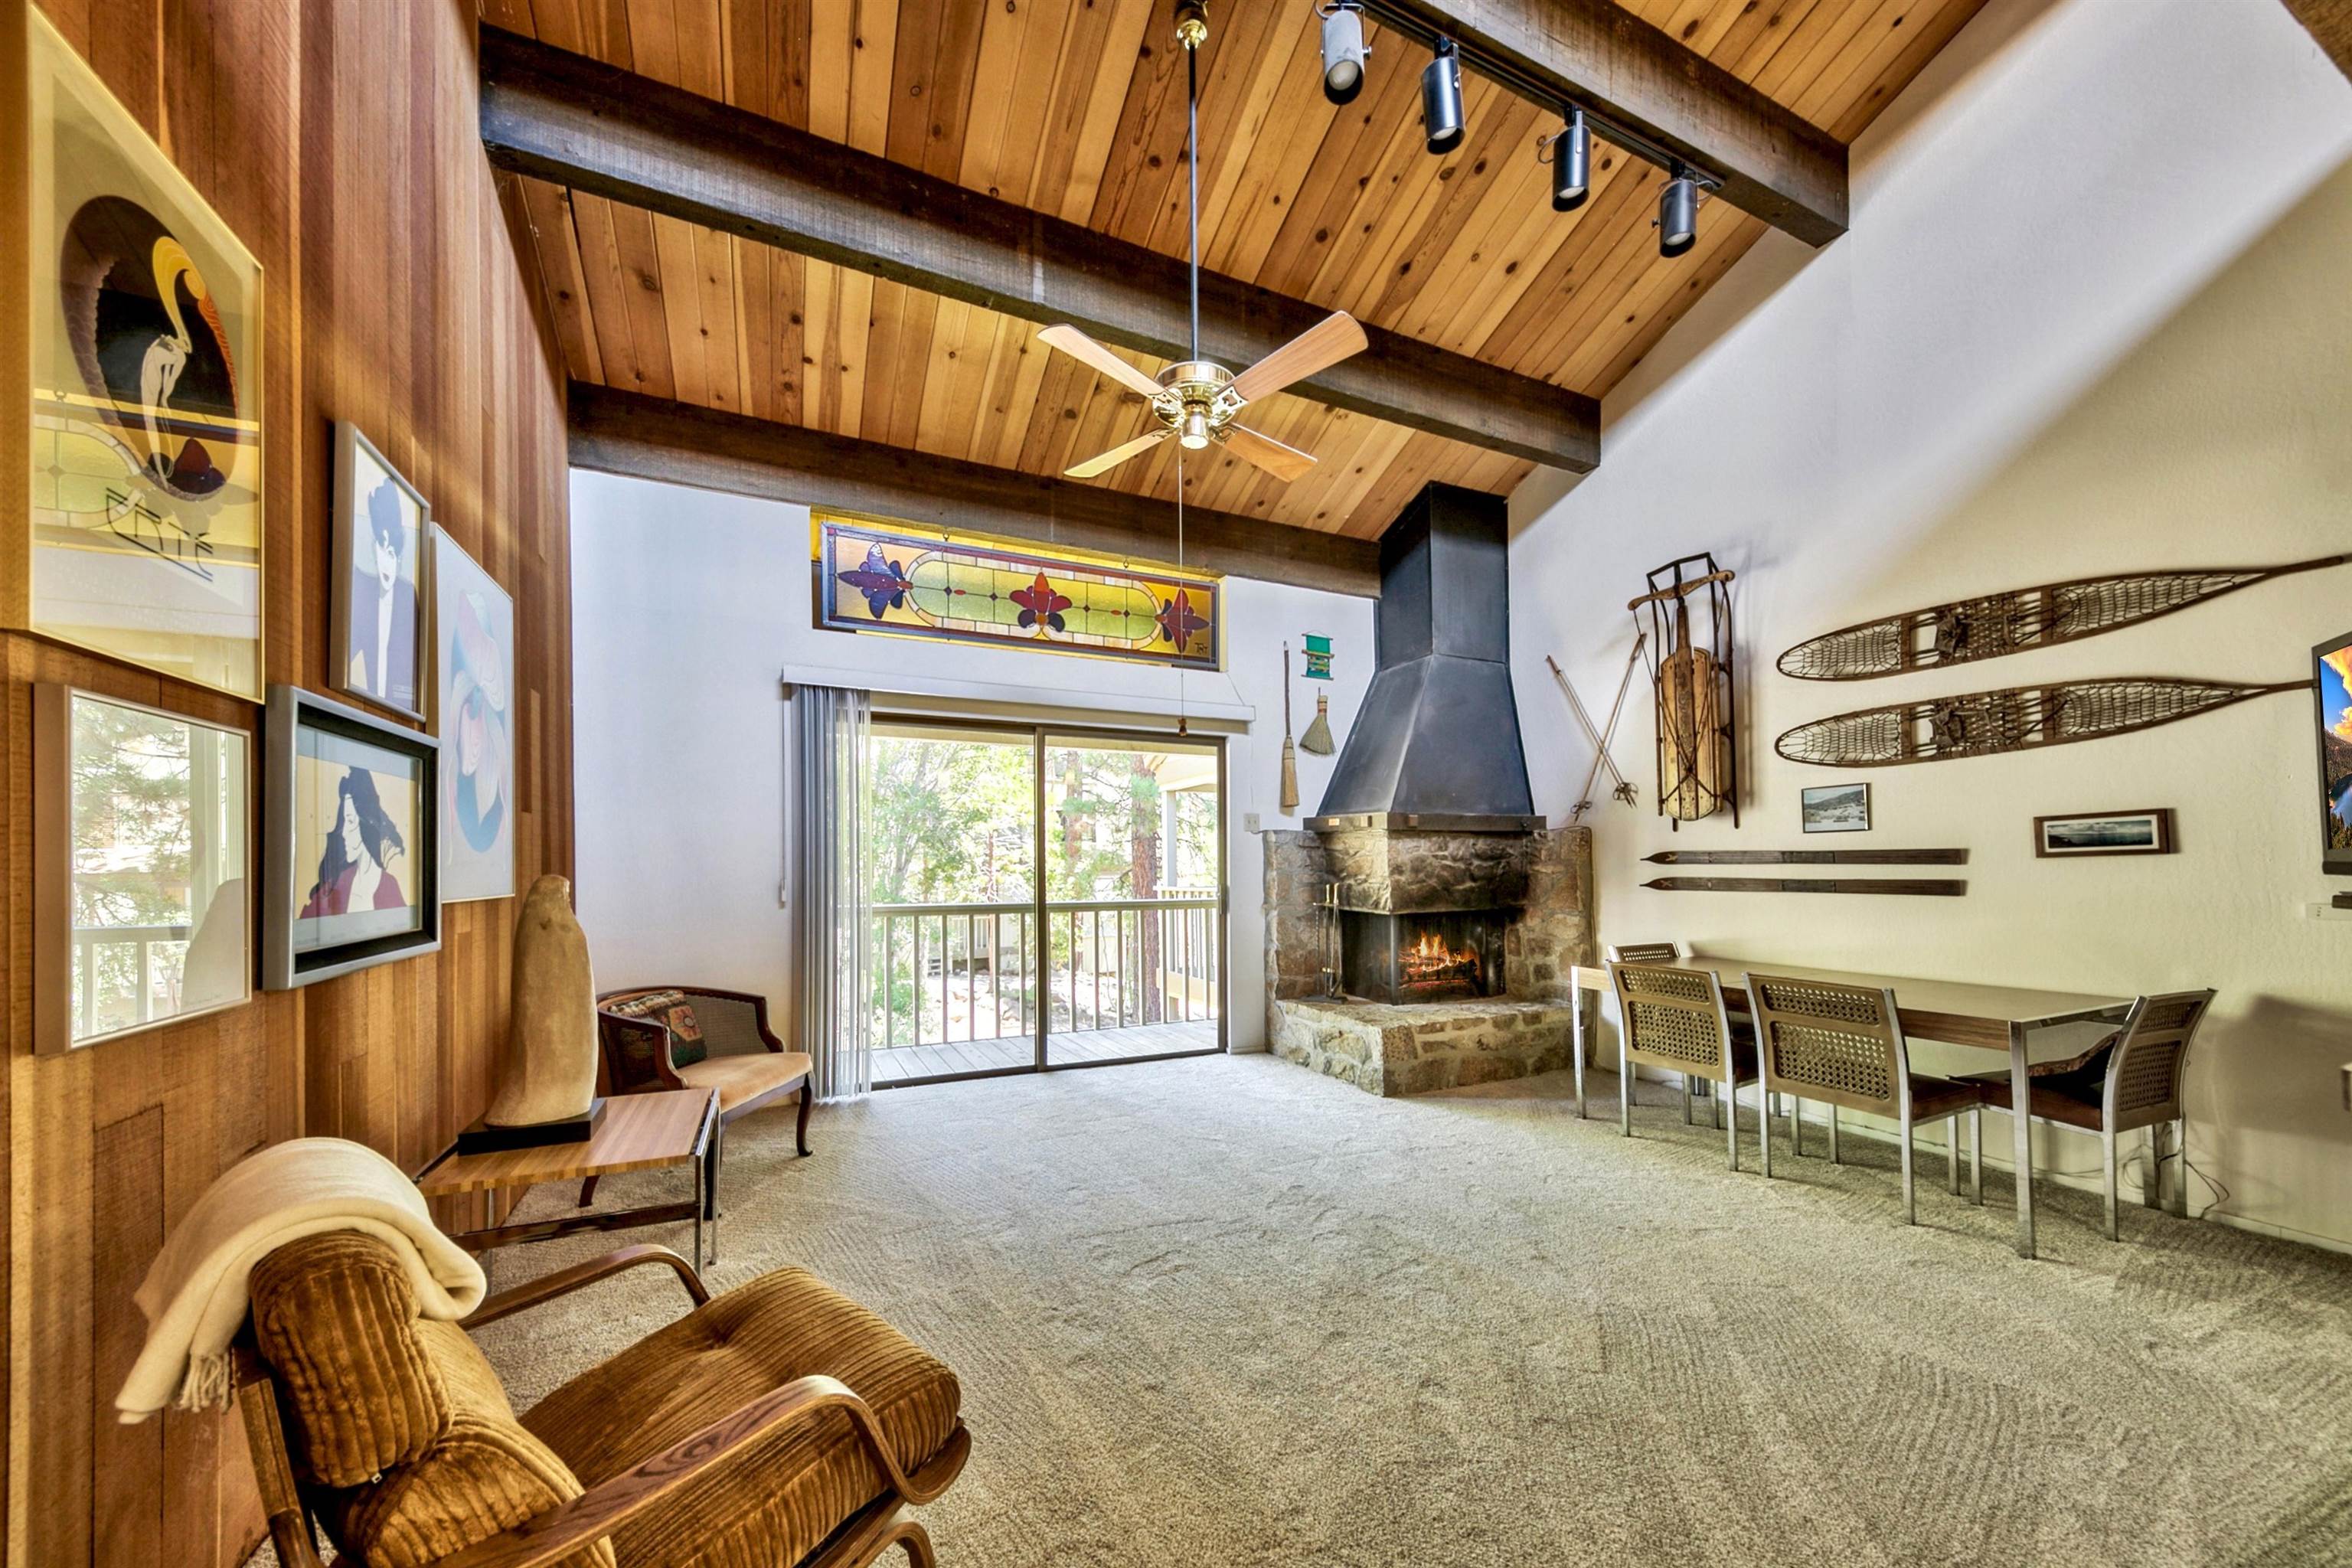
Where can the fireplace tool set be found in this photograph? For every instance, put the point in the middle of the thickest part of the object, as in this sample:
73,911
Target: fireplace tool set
1332,990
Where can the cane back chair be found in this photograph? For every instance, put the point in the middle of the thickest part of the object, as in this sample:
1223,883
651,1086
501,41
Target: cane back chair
779,1424
1843,1045
2133,1082
1673,1019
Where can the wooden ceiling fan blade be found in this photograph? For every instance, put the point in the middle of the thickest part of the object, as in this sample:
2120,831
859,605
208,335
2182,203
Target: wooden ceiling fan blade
1079,346
1103,462
1285,463
1319,348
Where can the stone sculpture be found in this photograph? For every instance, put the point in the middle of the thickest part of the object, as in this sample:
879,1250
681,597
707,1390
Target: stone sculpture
551,1063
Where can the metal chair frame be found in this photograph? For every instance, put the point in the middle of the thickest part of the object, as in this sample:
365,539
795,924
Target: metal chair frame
1868,1014
1666,986
2162,1022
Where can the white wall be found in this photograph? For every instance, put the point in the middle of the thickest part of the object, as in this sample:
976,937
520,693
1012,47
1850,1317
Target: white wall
2094,314
688,605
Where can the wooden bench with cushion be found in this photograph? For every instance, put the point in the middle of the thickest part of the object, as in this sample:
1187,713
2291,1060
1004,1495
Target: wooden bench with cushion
662,1036
779,1424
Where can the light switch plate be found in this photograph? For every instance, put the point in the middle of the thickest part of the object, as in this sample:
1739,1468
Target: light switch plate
1249,822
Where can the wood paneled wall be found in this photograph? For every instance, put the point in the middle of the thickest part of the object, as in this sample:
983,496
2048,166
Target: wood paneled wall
338,138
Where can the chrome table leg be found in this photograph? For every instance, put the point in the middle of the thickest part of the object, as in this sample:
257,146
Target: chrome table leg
2020,1117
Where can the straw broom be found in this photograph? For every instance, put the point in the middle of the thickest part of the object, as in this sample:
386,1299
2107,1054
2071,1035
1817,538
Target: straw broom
1289,751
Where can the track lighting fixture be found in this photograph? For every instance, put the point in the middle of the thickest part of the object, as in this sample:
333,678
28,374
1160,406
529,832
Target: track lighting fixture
1677,213
1343,52
1441,97
1572,163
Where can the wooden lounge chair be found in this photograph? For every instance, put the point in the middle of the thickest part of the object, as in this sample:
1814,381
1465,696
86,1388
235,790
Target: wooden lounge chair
779,1423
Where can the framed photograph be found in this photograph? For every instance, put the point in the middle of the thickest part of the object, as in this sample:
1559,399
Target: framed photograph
380,524
1835,809
350,865
2106,832
141,867
145,533
2334,669
473,714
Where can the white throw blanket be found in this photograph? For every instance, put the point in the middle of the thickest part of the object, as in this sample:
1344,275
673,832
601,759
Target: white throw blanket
195,1295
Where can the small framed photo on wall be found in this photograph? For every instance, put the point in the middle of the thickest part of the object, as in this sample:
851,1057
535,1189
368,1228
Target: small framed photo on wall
351,865
380,529
1835,809
473,714
2105,833
141,867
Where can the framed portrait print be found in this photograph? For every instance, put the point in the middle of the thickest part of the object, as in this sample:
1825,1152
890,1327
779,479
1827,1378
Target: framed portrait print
380,523
141,867
351,867
473,715
2103,833
1835,809
145,533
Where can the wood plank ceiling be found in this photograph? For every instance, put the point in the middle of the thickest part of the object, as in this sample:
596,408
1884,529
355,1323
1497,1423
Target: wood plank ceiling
1077,107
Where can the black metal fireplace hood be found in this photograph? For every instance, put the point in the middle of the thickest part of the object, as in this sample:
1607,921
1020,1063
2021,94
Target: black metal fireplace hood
1437,747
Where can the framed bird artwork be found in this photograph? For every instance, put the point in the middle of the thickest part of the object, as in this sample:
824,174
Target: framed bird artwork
146,530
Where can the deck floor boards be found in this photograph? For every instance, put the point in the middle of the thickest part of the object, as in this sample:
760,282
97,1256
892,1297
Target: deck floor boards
908,1064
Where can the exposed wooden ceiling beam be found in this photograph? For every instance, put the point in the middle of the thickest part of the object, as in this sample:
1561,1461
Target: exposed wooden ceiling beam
617,432
579,122
1775,164
2329,23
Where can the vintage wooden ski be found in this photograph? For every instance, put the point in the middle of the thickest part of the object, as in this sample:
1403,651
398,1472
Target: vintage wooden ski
2017,719
1807,885
1997,623
1808,857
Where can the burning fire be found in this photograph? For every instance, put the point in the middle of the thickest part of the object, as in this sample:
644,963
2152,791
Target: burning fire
1430,961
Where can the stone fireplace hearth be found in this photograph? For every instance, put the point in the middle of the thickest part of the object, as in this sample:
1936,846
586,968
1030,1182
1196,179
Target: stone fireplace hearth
1394,1047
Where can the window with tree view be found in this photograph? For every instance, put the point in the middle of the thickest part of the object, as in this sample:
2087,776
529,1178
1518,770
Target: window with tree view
979,965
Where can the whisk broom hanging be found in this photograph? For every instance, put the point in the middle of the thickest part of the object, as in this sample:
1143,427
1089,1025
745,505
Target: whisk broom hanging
1289,751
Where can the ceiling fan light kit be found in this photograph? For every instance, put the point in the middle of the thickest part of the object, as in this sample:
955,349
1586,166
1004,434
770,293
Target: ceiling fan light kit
1197,400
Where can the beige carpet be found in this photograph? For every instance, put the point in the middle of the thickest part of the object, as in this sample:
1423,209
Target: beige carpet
1225,1311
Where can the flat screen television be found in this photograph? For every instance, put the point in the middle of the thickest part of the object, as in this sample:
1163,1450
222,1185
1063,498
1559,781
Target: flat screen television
2334,661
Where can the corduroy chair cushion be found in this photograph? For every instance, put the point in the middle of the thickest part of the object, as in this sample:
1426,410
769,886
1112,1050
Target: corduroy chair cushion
778,1500
483,1474
334,1316
404,1418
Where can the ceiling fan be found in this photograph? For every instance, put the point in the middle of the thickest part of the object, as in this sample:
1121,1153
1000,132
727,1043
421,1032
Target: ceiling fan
1198,401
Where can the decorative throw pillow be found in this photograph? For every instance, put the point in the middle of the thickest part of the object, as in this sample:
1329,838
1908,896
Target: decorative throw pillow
671,1010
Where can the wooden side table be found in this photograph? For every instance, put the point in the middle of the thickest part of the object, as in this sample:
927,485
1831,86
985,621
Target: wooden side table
639,1133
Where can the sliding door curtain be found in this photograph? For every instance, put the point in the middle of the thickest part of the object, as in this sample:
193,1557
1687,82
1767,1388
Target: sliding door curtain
830,914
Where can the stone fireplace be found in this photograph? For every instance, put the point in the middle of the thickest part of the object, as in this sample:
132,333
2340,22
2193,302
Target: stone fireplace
1426,893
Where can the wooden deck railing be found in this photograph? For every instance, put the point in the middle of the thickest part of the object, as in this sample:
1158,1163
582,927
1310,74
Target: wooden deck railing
1108,962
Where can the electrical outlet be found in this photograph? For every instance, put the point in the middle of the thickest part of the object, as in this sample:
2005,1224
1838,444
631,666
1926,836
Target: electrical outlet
1249,822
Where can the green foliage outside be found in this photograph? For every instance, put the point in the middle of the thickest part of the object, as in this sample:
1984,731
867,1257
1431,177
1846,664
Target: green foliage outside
952,821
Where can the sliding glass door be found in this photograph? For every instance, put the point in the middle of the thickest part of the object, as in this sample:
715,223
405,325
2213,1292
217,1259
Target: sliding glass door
1134,847
982,966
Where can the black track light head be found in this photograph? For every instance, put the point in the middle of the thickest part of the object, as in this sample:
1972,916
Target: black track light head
1677,214
1571,163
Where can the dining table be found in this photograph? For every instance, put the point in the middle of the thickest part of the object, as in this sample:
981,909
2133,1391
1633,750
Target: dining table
1955,1012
